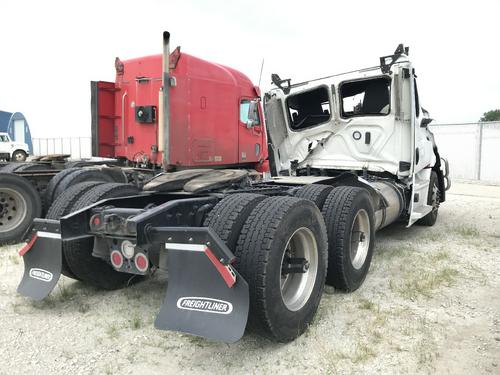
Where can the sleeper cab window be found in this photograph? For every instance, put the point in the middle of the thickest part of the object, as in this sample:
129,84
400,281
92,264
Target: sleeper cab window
367,97
249,111
309,108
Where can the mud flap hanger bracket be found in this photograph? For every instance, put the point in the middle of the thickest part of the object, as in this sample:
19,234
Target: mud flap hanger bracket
192,236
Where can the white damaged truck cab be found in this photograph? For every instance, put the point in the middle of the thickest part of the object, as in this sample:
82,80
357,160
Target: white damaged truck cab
368,122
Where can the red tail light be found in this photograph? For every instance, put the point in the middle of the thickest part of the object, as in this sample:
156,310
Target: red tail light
95,222
141,262
116,259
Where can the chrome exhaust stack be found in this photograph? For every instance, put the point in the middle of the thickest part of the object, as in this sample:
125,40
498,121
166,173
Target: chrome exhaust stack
164,118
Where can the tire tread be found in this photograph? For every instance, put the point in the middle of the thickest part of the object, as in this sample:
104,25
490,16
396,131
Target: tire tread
49,195
315,192
229,215
88,269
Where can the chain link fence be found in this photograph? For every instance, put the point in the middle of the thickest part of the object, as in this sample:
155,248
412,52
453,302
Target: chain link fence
472,149
77,147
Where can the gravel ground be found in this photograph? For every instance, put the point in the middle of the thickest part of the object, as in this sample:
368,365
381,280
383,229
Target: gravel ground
430,304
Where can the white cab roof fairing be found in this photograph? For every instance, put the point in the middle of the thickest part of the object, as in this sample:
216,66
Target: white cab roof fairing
329,145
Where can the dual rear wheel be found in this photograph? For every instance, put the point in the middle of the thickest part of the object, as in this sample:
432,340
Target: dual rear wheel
285,245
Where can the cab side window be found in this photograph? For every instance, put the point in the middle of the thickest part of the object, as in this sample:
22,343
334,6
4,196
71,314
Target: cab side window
369,97
3,138
246,108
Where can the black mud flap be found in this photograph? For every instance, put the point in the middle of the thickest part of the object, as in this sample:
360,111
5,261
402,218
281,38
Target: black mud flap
205,296
42,262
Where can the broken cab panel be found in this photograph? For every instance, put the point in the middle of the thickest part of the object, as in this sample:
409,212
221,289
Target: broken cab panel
353,121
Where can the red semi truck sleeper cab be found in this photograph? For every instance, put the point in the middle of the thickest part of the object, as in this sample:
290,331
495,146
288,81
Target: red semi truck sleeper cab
215,117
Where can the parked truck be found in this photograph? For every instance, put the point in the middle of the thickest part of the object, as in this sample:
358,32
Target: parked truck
11,150
350,154
132,140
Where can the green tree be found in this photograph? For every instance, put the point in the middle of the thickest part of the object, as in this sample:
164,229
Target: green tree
493,115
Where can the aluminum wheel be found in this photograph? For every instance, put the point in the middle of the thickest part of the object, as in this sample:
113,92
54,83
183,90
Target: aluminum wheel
299,266
13,209
360,239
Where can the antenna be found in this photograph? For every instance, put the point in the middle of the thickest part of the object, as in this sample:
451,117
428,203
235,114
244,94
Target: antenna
261,68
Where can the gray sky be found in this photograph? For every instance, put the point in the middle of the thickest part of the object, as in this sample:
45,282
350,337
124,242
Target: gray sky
51,50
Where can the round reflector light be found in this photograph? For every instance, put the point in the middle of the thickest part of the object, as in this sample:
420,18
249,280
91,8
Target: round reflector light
116,259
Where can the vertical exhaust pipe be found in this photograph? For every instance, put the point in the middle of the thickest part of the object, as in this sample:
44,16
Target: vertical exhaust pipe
164,123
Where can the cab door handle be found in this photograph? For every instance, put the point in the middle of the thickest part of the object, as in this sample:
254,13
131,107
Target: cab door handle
257,129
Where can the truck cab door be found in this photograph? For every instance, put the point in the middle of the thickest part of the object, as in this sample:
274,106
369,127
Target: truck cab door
423,158
250,131
5,144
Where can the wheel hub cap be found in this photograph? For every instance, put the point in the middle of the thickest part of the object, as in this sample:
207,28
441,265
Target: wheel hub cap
299,267
360,239
12,209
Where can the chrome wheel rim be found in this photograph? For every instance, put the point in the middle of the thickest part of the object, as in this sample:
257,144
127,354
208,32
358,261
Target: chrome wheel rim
360,239
297,287
20,157
12,209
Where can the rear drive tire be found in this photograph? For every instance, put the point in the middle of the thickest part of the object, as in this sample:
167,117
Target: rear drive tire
82,175
62,206
349,219
19,205
314,193
433,199
28,167
71,176
78,254
64,203
229,215
49,195
11,167
280,229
